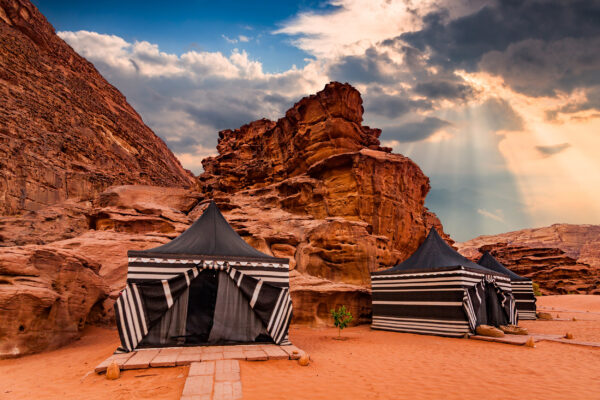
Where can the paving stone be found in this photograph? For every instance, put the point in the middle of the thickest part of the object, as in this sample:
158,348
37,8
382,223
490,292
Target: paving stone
119,358
198,385
141,359
256,355
189,355
234,355
227,391
211,356
213,349
202,368
274,352
251,347
227,366
290,351
166,358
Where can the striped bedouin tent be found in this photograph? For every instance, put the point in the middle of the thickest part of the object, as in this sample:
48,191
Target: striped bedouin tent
437,291
205,287
522,287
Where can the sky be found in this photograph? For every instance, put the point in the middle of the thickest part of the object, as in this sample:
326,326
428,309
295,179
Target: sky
498,101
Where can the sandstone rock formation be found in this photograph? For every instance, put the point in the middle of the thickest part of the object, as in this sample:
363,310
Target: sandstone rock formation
65,132
316,187
64,266
561,258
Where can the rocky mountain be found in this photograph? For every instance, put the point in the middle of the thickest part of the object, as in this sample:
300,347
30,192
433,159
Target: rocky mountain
65,132
316,187
561,258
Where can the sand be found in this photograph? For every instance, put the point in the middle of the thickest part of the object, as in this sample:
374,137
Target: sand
369,365
67,373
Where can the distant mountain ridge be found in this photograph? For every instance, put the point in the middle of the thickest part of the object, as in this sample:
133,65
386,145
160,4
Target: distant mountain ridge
561,258
65,132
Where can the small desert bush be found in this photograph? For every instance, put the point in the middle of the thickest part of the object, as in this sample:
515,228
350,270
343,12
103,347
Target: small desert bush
341,318
536,289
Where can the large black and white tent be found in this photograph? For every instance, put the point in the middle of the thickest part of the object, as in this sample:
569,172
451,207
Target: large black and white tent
522,287
437,291
207,286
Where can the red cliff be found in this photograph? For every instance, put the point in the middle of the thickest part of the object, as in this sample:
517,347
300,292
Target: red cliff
65,132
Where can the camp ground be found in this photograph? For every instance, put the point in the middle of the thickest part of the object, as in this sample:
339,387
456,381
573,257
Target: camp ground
437,291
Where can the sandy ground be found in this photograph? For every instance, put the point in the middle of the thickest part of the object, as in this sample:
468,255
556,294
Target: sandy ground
369,365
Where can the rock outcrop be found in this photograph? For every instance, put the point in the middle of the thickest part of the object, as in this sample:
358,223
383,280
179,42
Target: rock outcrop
561,258
65,132
316,187
64,266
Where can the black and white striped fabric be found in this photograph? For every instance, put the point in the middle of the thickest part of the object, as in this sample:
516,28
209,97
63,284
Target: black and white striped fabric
522,287
157,277
437,291
155,284
436,302
525,299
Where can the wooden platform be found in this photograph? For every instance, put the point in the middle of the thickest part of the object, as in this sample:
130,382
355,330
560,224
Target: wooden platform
172,356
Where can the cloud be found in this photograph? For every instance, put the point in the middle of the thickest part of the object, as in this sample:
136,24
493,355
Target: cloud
496,217
548,151
243,38
393,106
229,40
186,99
415,131
500,116
444,89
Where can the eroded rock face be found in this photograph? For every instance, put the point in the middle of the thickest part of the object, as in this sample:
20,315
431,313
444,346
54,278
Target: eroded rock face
561,258
64,266
317,188
65,132
45,297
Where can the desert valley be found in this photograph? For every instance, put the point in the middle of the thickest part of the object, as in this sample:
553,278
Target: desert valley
83,181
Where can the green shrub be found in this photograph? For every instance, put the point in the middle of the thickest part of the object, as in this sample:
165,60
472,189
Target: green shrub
341,318
536,289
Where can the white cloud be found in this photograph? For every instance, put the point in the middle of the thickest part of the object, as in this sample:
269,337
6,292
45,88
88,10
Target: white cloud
243,38
356,25
496,217
187,98
229,40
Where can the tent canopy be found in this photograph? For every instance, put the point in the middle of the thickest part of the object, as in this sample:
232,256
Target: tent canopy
488,261
210,236
435,254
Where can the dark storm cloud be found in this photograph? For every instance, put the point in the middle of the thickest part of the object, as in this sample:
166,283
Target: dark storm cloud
393,106
548,151
372,66
182,144
415,131
219,116
444,89
462,42
538,46
501,116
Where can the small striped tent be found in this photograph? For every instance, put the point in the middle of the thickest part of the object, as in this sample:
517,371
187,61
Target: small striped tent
207,286
437,291
522,287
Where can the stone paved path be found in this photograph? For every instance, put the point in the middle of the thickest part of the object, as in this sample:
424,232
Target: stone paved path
214,370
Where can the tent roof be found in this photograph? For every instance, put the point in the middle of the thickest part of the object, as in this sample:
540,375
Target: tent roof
210,236
488,261
435,254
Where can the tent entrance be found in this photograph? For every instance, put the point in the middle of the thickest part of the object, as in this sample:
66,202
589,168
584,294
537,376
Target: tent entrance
211,311
490,311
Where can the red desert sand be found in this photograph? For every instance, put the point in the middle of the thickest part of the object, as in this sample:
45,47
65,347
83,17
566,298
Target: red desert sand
369,365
